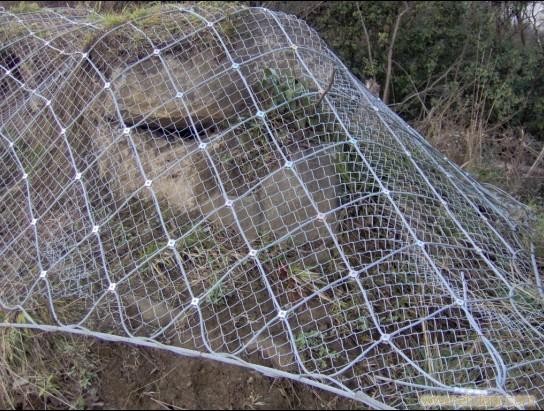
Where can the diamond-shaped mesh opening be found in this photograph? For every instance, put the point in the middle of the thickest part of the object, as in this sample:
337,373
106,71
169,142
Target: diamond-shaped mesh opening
332,329
79,278
449,351
236,308
131,236
154,295
244,156
210,250
295,273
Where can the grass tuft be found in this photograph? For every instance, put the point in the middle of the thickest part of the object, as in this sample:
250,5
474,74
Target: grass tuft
40,370
25,7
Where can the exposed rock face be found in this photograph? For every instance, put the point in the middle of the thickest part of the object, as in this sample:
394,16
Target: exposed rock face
148,91
184,179
69,112
191,94
280,203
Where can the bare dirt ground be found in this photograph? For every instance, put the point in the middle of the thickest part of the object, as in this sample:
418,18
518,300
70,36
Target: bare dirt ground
150,379
60,371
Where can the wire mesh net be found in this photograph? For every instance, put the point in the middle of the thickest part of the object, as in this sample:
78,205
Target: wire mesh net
213,181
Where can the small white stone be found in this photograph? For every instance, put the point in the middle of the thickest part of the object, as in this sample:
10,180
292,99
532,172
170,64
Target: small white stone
195,301
282,314
43,274
112,287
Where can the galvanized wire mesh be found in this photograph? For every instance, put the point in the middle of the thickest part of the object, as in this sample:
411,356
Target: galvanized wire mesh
213,181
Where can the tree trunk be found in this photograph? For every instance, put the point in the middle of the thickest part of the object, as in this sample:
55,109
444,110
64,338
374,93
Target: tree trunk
385,97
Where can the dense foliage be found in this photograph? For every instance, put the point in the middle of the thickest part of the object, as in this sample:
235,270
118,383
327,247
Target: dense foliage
480,61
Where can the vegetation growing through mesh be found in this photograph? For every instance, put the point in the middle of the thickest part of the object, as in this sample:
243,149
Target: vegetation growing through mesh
352,254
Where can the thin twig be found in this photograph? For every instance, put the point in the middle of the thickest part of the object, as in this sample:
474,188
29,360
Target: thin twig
163,404
311,9
331,81
430,87
416,92
535,164
367,37
385,96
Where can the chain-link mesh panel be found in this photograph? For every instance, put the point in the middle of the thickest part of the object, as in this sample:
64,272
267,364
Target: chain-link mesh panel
213,181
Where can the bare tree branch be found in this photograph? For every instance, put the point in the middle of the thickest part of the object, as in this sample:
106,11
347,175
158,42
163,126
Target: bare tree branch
416,93
367,37
331,81
536,163
390,53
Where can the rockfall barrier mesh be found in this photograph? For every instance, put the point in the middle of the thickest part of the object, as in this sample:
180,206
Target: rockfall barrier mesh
213,181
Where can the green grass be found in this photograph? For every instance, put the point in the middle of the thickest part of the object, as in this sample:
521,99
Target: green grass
44,370
488,174
25,7
112,20
146,16
311,347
